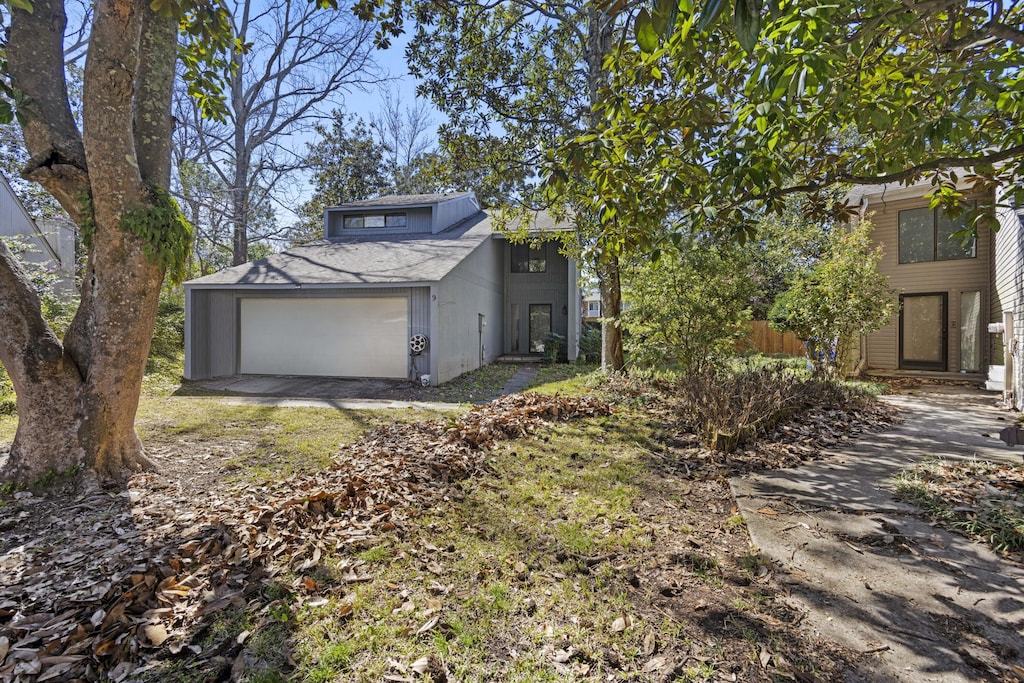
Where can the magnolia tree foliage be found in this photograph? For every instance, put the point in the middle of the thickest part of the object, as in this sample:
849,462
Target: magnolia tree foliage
841,297
687,309
716,120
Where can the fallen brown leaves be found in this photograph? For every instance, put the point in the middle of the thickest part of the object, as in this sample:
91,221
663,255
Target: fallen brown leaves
103,584
804,436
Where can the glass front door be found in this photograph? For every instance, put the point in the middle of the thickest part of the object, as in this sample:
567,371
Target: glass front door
540,326
923,332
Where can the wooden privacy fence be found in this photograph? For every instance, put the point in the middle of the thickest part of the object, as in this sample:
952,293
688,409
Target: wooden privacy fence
767,340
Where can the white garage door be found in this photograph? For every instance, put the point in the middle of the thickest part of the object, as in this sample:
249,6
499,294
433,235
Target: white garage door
365,337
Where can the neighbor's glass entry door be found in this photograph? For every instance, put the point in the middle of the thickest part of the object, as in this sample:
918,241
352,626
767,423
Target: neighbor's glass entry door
923,332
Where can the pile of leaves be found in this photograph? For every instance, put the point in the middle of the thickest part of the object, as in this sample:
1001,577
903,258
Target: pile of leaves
120,579
984,500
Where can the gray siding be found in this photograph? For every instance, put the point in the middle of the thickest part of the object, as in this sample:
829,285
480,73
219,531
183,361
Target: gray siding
418,220
1009,289
213,315
881,349
471,290
454,211
550,287
51,243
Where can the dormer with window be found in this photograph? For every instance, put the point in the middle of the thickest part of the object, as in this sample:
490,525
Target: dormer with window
399,214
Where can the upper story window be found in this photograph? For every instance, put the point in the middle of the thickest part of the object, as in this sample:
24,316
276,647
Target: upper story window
593,309
526,259
381,220
927,235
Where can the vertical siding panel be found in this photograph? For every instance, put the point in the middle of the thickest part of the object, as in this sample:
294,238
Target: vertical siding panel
472,289
538,288
1009,288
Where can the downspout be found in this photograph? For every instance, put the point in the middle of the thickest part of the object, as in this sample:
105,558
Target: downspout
1009,352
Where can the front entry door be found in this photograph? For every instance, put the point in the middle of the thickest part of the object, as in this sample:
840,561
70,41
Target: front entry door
923,331
540,326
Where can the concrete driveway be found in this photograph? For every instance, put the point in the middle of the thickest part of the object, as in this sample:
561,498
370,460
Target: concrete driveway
320,392
921,604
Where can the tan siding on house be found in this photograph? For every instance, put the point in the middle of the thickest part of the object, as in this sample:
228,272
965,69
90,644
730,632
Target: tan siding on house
952,277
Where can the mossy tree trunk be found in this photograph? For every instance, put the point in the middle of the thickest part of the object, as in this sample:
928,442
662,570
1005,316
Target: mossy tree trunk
78,397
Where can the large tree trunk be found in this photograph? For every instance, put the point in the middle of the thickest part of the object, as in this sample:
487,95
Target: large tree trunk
77,400
612,356
599,42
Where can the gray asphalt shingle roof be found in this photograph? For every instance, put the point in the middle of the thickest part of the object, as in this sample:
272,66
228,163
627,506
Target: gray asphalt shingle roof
385,259
403,200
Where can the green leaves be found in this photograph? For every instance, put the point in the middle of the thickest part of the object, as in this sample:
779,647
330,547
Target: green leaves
747,21
25,5
166,234
643,28
709,15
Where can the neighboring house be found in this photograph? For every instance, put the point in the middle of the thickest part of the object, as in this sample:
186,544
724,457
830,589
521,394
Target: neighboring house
51,243
1007,371
947,288
410,287
591,306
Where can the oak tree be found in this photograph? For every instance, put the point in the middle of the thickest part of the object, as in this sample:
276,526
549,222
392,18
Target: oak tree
299,63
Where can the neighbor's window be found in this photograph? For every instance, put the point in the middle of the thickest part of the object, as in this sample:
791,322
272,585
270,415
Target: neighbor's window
927,235
594,309
526,259
390,220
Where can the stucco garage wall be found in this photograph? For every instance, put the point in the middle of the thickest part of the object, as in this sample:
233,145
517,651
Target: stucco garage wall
473,288
213,321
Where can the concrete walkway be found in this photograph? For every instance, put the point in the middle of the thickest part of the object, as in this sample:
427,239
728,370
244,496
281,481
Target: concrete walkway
338,404
920,603
519,381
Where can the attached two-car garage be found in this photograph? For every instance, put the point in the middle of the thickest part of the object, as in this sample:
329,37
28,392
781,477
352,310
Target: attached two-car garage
329,337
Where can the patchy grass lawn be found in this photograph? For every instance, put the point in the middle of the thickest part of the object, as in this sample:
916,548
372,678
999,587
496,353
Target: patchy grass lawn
572,556
568,379
252,442
597,550
983,500
472,387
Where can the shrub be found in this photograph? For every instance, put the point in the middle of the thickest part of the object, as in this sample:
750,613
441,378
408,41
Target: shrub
169,333
842,296
727,407
554,347
688,308
590,344
8,403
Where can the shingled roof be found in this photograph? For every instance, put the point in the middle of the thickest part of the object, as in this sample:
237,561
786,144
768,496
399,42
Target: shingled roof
377,260
403,200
